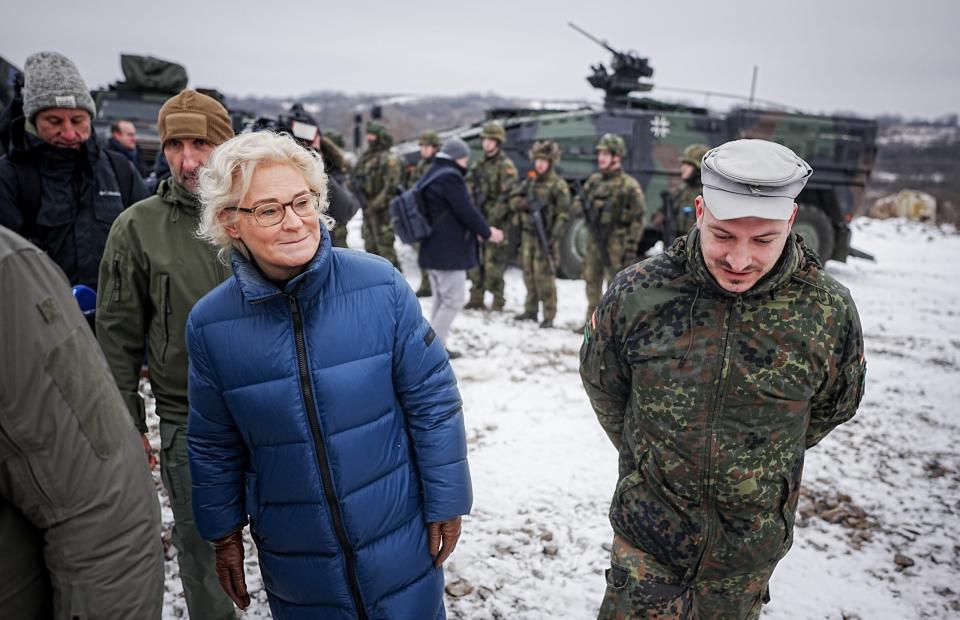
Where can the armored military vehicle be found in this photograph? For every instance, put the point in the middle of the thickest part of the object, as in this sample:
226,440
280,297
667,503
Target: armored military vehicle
840,149
148,82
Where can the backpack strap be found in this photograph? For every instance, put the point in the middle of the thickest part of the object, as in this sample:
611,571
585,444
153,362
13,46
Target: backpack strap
124,173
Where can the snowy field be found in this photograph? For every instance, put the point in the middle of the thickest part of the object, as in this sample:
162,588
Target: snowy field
878,533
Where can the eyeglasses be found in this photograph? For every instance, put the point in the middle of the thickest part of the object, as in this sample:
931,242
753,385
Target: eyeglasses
272,213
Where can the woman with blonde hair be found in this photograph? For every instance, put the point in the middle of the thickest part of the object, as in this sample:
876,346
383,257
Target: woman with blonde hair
323,409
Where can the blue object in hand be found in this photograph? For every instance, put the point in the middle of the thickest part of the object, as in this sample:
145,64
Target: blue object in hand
87,298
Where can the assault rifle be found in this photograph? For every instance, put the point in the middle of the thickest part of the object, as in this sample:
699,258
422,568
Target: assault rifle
536,214
593,223
669,223
368,216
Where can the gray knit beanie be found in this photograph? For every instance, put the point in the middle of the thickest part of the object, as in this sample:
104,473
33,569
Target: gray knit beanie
51,80
454,148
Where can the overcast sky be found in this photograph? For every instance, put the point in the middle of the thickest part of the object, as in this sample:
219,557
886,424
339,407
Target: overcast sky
869,57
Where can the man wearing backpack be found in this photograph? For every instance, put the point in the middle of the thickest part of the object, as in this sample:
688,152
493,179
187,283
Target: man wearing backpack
58,187
457,225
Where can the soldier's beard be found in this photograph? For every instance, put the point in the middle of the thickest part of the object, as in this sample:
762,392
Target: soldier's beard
191,181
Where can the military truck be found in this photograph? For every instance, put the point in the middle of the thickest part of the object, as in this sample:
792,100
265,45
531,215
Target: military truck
148,82
841,151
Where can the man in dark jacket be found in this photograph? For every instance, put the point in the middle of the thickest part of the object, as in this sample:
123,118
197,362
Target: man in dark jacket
154,270
451,249
58,188
79,516
123,140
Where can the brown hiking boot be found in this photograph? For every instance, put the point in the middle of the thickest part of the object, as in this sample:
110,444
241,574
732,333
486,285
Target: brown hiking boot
475,304
498,304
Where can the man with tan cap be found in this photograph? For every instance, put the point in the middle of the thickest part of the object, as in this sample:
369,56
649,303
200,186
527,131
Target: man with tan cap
154,270
58,187
712,368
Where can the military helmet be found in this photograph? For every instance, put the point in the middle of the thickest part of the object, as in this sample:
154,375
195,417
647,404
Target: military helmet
693,154
495,130
545,149
613,143
334,136
381,132
430,137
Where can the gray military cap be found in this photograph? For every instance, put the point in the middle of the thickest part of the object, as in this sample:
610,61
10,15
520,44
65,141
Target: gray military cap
752,178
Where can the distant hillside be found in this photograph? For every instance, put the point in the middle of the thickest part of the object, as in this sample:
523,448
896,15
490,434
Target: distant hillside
920,155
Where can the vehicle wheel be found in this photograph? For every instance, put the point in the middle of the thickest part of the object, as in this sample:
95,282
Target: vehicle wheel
815,227
573,248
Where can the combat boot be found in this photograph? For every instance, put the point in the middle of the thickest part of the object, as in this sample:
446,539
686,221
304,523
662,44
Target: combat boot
526,316
498,304
546,323
424,292
475,304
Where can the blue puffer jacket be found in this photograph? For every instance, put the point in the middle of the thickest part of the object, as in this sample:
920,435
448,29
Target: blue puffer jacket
329,414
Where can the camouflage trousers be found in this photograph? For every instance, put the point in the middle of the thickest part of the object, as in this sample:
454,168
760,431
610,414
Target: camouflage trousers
639,587
489,275
539,278
339,235
378,236
594,273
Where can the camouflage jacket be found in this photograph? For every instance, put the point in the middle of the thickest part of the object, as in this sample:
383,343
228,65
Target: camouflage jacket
415,173
491,181
618,199
684,199
712,398
376,177
553,193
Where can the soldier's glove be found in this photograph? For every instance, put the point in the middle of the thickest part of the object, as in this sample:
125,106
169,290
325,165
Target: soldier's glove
629,258
229,550
445,532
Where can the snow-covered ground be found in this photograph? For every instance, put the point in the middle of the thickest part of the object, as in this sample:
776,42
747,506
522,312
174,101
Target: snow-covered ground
879,533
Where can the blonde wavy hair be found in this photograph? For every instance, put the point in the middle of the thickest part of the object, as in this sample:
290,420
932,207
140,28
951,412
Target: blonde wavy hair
225,180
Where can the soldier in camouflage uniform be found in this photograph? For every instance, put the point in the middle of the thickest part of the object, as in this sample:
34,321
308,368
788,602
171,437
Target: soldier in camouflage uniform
491,181
712,368
543,192
376,177
684,195
429,146
617,199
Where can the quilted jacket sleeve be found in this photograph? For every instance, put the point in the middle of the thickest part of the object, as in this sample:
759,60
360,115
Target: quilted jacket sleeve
428,394
218,455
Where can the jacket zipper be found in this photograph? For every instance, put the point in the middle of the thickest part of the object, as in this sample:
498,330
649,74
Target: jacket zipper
709,476
306,391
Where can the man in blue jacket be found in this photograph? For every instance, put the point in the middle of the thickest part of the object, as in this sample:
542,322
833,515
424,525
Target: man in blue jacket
452,248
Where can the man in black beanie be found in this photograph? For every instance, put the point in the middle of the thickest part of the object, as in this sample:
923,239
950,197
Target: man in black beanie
58,188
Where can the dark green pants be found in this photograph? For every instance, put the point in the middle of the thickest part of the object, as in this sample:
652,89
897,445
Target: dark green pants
639,587
205,597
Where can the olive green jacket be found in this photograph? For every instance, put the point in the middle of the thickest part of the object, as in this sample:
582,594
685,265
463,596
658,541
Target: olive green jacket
79,515
154,270
712,397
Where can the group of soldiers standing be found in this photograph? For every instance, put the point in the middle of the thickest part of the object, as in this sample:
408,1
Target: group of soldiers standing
534,210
